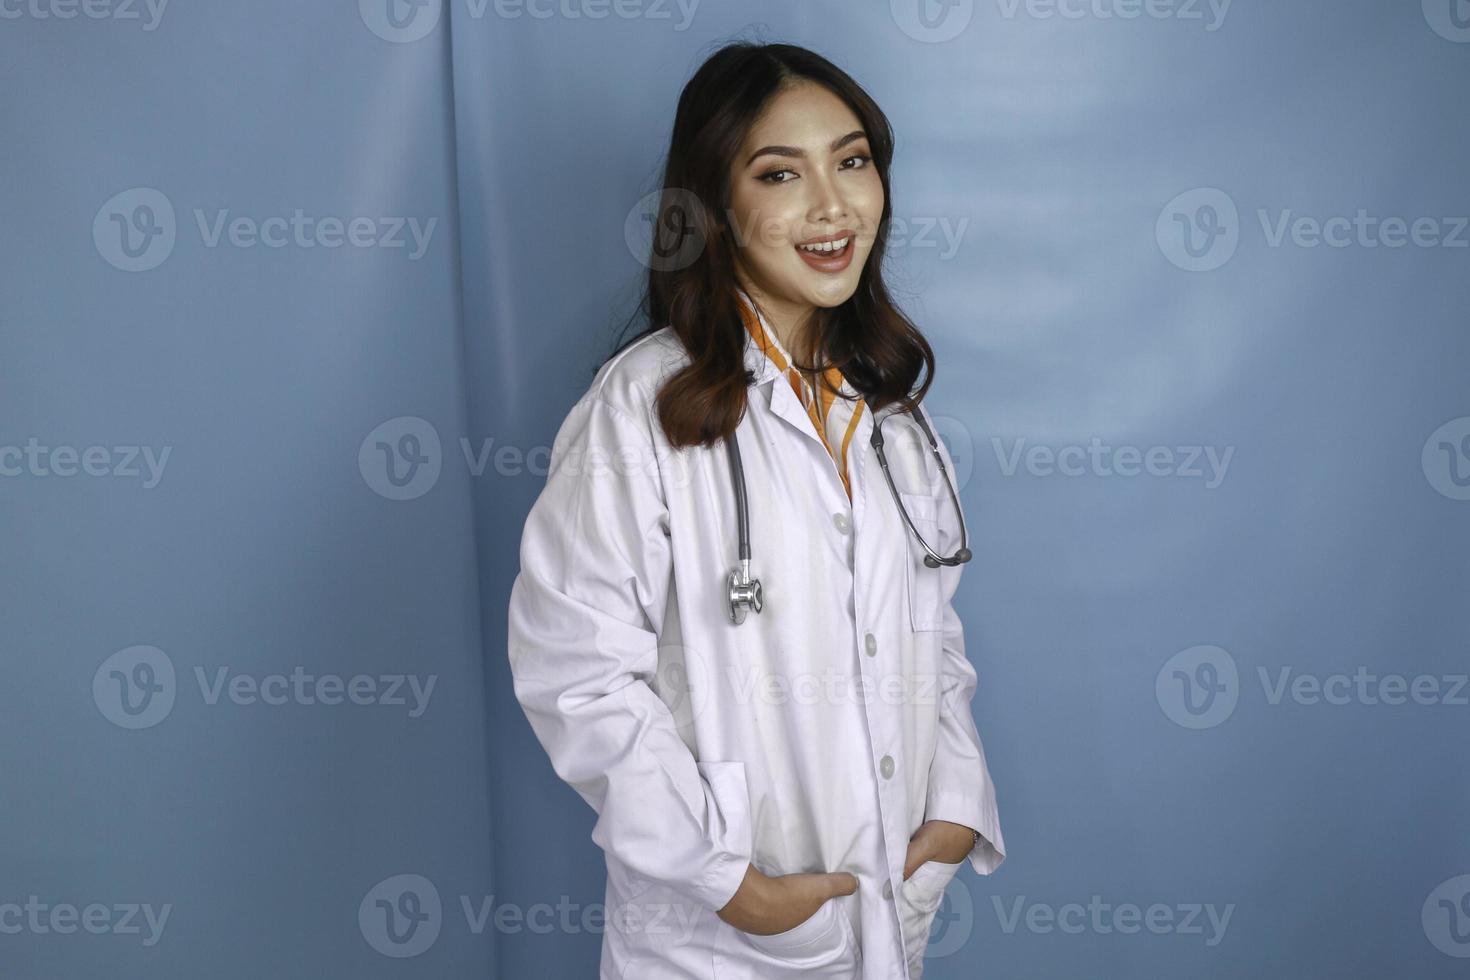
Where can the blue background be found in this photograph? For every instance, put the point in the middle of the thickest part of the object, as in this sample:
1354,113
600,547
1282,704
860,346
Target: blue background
355,433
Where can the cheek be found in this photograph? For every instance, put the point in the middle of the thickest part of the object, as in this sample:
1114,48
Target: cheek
765,226
868,202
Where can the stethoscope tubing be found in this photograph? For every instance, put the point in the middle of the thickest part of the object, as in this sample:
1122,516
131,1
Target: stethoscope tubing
745,591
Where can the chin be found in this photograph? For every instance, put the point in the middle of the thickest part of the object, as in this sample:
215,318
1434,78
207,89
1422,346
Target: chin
834,295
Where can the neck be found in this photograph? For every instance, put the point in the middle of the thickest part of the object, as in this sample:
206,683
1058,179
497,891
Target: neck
788,321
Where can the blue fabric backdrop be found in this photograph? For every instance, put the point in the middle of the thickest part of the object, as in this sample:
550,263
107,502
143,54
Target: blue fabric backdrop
294,296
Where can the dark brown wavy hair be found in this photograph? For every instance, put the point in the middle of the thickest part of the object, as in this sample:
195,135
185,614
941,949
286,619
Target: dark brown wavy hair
691,277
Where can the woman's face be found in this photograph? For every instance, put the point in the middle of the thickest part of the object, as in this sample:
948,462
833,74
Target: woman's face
804,175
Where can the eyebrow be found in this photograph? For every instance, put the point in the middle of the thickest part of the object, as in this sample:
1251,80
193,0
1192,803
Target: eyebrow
796,151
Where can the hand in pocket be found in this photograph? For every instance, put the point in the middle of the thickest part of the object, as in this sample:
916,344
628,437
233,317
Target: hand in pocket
938,840
765,905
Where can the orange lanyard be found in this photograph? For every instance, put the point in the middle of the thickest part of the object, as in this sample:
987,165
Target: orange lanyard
799,386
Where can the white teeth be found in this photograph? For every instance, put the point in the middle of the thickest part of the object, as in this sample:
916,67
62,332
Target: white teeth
836,246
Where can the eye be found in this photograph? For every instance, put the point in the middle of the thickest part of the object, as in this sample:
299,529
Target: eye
770,176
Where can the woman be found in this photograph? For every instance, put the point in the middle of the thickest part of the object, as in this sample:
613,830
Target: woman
787,795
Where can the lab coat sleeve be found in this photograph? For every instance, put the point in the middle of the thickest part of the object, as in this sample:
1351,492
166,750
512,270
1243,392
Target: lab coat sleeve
595,570
960,787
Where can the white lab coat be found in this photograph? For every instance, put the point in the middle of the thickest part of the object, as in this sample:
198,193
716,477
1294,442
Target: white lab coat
816,736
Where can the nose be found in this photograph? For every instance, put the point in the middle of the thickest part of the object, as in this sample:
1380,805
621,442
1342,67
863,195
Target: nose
828,203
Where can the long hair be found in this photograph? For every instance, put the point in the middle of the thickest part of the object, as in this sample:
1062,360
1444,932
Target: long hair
691,268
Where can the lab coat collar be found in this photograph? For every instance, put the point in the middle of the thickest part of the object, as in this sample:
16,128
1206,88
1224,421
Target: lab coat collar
757,361
782,401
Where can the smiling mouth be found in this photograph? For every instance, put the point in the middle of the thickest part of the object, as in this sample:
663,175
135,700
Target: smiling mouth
827,250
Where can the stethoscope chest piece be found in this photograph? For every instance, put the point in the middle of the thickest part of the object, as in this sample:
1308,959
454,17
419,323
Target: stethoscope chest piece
744,592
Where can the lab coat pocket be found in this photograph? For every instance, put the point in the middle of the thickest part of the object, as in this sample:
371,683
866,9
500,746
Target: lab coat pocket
923,893
823,946
923,582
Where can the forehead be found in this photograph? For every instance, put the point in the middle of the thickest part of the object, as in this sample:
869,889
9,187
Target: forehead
807,115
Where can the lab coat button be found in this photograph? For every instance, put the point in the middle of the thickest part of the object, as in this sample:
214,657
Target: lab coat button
885,766
888,890
841,521
870,645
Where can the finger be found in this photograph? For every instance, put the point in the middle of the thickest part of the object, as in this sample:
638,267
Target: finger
840,883
812,887
821,885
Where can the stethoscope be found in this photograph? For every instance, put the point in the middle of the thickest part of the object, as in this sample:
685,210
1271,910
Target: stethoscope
745,592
